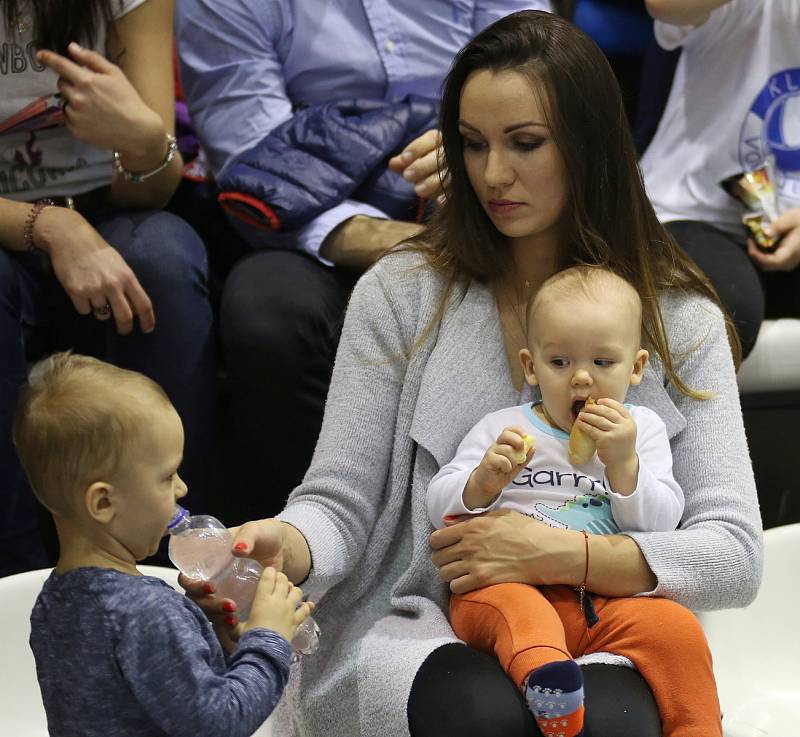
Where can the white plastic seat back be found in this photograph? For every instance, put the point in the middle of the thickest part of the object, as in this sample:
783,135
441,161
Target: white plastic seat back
757,649
774,363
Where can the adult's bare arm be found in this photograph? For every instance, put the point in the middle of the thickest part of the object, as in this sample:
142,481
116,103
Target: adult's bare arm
683,12
127,106
91,271
359,241
13,217
504,546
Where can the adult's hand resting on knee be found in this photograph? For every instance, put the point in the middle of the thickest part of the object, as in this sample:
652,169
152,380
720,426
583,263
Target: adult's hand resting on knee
93,274
504,546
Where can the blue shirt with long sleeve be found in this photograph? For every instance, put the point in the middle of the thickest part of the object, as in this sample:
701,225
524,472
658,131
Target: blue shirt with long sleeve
245,64
120,655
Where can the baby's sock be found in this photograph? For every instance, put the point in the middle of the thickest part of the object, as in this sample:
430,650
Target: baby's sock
554,693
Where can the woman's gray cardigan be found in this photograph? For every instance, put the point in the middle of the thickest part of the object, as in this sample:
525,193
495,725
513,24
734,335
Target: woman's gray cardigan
396,411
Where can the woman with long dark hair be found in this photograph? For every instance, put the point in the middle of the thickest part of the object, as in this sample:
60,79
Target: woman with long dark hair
87,261
542,174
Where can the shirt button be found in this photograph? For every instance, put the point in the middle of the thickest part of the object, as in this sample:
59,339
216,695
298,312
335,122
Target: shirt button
389,46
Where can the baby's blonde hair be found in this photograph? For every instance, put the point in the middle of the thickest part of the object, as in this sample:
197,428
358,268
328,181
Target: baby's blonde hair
596,283
75,421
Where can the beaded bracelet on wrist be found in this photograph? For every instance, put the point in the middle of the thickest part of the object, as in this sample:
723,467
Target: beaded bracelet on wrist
139,176
30,221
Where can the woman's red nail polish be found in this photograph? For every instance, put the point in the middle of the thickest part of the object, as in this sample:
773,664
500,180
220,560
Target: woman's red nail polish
240,546
230,621
208,588
228,606
449,517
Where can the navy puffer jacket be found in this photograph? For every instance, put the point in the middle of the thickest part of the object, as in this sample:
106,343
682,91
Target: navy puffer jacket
323,155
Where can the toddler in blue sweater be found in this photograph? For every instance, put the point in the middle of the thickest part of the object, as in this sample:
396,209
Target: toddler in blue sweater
119,653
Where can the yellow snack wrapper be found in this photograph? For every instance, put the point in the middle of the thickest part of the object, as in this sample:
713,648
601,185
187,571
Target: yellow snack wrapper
755,222
756,190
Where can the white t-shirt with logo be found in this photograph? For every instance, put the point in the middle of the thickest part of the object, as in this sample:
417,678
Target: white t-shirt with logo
38,156
735,98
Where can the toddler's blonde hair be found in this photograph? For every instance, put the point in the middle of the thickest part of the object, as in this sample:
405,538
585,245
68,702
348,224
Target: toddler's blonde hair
75,421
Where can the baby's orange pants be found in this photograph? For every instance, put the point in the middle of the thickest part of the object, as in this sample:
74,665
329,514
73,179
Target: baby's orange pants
526,627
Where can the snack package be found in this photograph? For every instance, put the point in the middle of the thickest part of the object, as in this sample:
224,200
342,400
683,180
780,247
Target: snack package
756,191
755,222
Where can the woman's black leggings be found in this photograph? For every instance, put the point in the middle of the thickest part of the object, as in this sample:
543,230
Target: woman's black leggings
461,692
748,293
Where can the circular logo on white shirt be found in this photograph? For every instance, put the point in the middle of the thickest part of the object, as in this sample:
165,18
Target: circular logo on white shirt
772,126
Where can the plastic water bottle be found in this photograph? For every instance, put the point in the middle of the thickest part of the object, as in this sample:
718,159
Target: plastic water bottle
200,547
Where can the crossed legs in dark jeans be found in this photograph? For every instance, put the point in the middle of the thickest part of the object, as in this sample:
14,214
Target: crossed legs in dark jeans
280,320
37,317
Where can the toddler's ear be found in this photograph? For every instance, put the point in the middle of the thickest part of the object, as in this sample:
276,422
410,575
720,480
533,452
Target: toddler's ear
98,500
526,359
639,363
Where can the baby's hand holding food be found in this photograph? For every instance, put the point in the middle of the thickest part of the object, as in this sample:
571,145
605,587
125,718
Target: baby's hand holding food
613,430
500,464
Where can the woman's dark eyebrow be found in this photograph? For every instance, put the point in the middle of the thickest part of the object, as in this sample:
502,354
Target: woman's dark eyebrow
507,129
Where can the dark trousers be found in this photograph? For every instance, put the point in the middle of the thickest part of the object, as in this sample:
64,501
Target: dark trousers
37,317
461,692
748,293
280,320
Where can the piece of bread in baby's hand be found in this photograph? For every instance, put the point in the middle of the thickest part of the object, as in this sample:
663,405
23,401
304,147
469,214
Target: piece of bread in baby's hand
581,446
529,441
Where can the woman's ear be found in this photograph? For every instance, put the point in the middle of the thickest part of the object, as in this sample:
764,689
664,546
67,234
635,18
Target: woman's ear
99,502
526,359
639,363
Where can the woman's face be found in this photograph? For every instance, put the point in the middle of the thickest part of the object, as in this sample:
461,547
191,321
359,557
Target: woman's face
512,161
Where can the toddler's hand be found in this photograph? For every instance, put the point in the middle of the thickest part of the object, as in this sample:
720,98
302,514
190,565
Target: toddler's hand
610,425
501,463
277,605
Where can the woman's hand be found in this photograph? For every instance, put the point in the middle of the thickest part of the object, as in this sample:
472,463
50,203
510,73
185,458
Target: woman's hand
419,163
786,255
273,544
504,546
102,108
93,274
